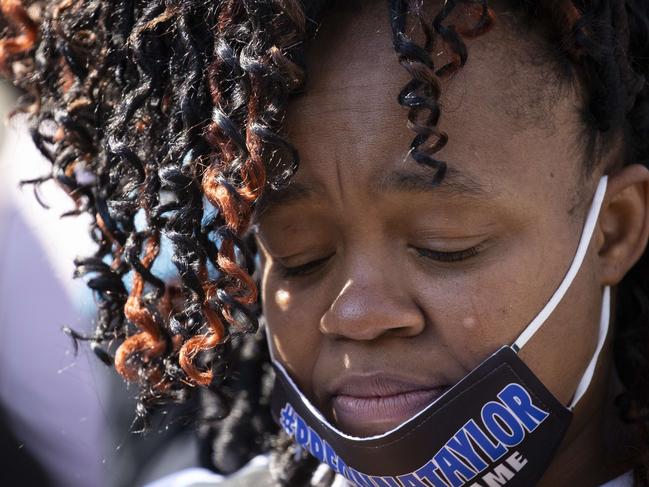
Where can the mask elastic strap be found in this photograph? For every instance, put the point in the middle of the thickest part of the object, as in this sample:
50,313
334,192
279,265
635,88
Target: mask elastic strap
604,320
582,249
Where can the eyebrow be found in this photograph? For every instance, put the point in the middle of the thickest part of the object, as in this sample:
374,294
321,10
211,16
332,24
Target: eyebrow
455,183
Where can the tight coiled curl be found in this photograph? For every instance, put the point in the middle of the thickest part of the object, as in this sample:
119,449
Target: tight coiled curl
163,121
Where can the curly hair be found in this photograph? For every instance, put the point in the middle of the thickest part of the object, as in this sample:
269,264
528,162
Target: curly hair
163,120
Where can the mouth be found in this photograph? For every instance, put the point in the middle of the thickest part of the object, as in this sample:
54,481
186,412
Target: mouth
371,405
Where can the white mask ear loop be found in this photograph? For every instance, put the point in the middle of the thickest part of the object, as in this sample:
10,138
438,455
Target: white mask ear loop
582,249
604,320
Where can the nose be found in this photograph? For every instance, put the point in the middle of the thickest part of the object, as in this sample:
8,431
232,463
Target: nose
369,306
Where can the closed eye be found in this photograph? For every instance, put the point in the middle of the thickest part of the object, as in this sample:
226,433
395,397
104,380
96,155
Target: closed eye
454,256
303,269
436,255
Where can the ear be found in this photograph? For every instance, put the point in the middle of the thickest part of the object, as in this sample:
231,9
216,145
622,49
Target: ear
624,222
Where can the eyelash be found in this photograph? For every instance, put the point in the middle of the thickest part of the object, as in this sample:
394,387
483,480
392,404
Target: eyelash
457,256
449,256
304,269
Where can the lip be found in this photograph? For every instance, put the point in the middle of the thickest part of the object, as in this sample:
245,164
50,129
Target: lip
370,404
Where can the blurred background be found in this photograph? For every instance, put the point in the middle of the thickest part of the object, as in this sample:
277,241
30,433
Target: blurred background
65,417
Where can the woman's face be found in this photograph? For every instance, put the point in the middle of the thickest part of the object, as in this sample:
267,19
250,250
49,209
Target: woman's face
380,290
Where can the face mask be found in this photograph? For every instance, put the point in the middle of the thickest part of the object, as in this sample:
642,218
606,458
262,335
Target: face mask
499,425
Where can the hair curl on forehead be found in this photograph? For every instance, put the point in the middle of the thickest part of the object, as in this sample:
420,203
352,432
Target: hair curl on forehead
164,122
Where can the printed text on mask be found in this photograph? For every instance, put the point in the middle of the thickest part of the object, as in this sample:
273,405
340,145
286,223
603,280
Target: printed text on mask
462,460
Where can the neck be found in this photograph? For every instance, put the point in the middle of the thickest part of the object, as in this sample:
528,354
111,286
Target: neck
598,446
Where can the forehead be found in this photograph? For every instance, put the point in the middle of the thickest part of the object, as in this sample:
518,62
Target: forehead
509,125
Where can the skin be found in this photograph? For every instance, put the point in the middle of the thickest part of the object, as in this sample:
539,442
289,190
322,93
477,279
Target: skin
370,303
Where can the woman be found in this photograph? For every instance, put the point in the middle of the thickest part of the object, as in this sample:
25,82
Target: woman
466,169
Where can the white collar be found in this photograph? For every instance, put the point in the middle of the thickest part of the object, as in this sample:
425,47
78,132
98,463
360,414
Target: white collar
624,480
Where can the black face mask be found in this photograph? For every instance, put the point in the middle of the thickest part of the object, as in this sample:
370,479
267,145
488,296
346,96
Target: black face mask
499,425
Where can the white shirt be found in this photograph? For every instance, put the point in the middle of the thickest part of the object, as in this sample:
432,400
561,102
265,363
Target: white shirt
258,467
624,480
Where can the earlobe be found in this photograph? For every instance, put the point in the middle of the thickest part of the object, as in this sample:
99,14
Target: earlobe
624,222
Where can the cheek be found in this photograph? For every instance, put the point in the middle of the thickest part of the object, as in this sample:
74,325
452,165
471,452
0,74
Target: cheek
469,315
476,312
468,318
564,345
290,319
